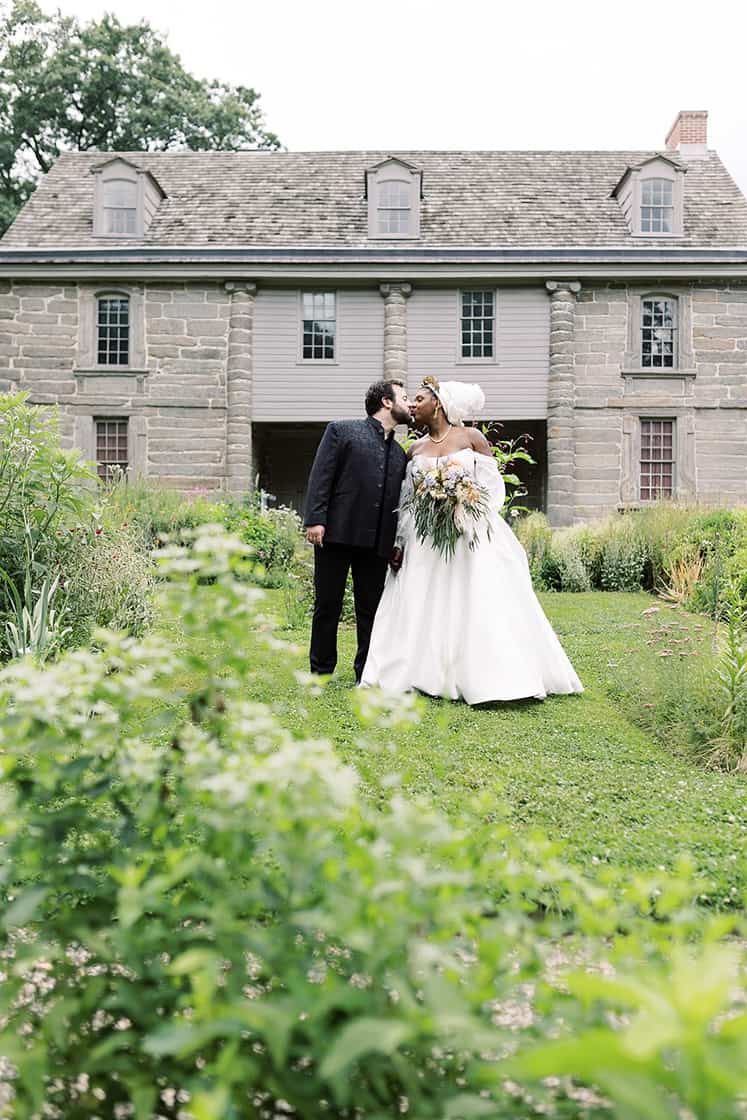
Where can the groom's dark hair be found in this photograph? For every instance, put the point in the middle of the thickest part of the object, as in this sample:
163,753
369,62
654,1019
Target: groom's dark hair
375,394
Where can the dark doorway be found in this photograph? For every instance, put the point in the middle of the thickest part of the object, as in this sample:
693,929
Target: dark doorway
283,454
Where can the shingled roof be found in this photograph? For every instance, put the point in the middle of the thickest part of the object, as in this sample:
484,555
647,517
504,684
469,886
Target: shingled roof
470,199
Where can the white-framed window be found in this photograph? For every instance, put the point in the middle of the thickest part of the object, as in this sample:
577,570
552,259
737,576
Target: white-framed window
394,207
112,446
658,332
318,326
120,207
477,323
113,330
660,342
657,205
657,459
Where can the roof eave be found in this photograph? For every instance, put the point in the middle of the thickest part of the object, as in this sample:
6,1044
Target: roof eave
356,264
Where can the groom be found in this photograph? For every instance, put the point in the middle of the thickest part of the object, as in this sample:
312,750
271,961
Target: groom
351,518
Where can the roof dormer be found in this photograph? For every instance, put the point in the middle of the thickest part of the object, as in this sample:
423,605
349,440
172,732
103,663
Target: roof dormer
125,199
394,190
651,195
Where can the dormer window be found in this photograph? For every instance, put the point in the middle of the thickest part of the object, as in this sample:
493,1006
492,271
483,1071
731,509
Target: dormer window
393,189
657,206
120,207
125,199
651,197
394,210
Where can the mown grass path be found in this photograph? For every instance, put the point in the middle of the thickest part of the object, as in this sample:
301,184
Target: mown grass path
580,769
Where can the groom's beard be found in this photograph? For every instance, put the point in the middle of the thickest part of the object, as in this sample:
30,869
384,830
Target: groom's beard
401,415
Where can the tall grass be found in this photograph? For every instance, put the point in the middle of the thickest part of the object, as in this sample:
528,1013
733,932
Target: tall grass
688,554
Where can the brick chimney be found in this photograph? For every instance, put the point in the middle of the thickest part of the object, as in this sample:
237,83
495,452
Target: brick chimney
689,133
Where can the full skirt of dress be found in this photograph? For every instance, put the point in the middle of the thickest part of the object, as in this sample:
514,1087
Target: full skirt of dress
469,628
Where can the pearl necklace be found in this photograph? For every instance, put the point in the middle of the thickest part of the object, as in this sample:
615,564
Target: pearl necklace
441,438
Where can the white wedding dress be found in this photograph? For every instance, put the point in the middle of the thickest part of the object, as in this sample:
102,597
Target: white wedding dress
469,628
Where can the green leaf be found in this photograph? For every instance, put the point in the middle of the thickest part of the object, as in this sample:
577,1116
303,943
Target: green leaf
184,1039
23,908
363,1036
209,1105
466,1105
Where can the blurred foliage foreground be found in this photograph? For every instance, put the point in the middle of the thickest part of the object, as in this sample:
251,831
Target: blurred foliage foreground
204,917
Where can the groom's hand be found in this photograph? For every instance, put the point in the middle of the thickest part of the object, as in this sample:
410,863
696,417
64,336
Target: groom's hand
395,560
315,535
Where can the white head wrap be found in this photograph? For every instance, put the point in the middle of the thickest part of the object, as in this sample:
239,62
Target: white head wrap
461,400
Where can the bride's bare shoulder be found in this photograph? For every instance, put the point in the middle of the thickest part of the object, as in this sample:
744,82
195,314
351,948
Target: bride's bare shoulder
478,441
414,448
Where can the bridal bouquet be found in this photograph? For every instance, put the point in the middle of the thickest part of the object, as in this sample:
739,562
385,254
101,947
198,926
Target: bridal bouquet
447,503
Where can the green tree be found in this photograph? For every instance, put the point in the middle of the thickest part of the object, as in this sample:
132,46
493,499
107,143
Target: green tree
104,86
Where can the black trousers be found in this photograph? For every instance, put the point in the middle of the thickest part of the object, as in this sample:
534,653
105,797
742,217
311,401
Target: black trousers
331,566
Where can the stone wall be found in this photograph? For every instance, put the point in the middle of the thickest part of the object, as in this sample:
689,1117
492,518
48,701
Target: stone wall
174,390
706,395
39,342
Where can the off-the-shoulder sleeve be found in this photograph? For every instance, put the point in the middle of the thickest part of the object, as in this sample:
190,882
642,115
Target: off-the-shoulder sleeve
488,475
404,516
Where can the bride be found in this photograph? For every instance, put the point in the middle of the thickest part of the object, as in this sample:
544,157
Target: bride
466,626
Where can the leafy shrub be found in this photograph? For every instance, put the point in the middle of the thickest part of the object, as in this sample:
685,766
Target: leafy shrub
535,534
688,556
43,490
273,535
563,567
661,528
736,574
622,556
158,512
716,536
108,581
207,919
726,745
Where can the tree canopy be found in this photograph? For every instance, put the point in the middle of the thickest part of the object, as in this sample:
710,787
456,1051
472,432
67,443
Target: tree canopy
104,86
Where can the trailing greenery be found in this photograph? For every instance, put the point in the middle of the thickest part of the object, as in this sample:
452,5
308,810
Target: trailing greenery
211,916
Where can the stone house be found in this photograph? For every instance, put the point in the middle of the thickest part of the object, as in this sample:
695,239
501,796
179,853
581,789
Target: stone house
199,316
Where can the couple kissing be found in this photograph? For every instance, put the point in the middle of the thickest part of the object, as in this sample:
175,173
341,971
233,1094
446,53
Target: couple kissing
444,602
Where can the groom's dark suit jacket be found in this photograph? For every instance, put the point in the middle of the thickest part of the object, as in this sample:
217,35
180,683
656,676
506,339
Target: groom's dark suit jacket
354,485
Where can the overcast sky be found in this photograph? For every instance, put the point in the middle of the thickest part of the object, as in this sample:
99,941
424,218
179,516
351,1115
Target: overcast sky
537,74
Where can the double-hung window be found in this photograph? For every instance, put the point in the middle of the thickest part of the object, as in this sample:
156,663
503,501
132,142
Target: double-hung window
658,332
120,207
113,330
319,326
111,447
478,324
657,460
657,206
394,208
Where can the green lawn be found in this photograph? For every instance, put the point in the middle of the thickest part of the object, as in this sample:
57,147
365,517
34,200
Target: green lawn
584,770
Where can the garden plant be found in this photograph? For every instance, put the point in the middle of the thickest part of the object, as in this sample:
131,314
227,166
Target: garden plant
205,915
